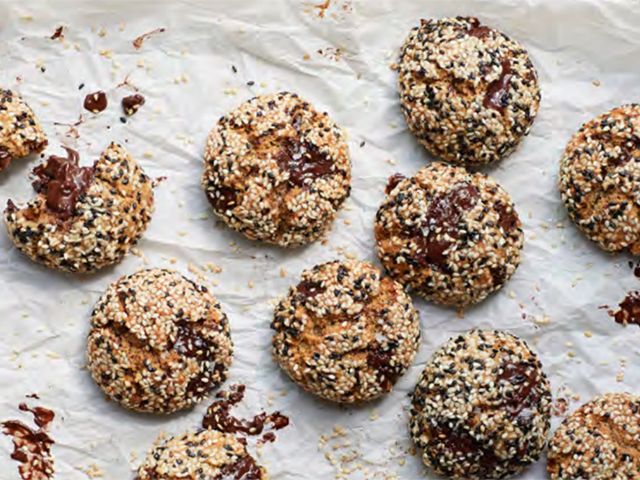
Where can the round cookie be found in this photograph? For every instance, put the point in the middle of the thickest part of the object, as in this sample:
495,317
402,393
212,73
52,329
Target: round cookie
83,218
481,408
468,92
158,342
454,237
203,455
600,178
20,131
598,441
345,333
277,170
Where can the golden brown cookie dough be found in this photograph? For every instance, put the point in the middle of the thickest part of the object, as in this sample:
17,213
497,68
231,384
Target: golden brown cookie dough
600,179
481,409
454,237
277,170
203,455
159,342
20,130
599,441
83,218
468,92
345,333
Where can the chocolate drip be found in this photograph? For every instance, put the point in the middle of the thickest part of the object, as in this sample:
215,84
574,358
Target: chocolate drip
628,310
96,102
393,181
59,33
219,416
496,96
62,182
442,217
245,468
132,103
32,448
478,30
304,161
525,395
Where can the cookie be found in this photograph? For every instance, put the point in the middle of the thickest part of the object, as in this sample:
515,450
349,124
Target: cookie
83,218
598,441
345,333
482,407
600,177
277,170
158,342
203,455
20,130
468,92
454,237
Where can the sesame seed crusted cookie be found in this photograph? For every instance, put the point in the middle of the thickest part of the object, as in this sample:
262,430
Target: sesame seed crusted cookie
468,92
481,408
203,455
454,237
345,333
158,342
20,130
83,218
277,170
599,441
600,179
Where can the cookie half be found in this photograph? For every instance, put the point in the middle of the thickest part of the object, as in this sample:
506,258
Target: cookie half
277,170
452,236
468,92
482,406
598,441
158,342
600,179
83,218
203,455
20,131
345,333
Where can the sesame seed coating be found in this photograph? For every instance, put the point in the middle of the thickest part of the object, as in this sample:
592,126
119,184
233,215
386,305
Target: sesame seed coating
203,455
344,333
158,342
452,236
600,179
481,408
599,441
20,130
468,92
107,220
277,170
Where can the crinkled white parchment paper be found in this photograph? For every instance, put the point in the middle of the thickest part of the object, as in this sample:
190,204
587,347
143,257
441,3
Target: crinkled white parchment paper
586,53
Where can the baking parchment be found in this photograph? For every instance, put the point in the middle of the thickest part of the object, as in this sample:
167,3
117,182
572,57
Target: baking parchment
216,54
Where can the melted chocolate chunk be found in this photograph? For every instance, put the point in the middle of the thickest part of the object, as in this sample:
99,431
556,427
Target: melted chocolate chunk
460,442
393,181
132,103
225,199
190,344
508,219
244,469
5,158
96,102
380,360
308,289
496,96
478,30
524,383
443,215
218,416
628,310
32,448
62,182
304,161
